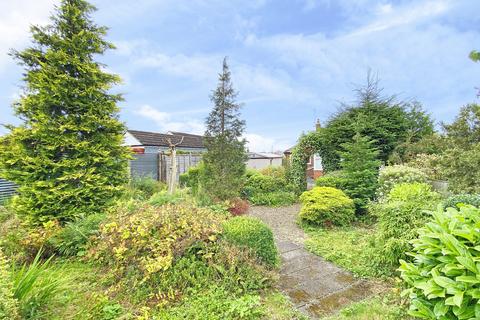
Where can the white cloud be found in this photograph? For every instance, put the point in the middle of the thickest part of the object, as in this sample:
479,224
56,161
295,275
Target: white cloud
259,143
15,20
169,121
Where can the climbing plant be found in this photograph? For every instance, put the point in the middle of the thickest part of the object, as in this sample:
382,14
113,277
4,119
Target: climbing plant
307,145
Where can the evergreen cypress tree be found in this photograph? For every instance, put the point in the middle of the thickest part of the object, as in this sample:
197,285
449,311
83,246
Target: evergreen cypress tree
360,165
225,157
67,155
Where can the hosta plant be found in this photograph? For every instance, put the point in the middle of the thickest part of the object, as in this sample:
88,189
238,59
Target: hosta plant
443,281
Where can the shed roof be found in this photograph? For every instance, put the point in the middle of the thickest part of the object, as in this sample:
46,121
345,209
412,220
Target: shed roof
162,139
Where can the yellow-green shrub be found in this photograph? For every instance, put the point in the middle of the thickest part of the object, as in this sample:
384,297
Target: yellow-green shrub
326,206
150,238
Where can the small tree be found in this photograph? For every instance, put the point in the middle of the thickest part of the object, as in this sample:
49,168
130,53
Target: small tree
360,165
67,156
225,157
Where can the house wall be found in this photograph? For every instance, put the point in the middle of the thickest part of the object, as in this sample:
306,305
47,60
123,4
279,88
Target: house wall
263,163
156,149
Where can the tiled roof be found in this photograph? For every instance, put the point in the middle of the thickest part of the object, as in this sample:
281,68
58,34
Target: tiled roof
161,139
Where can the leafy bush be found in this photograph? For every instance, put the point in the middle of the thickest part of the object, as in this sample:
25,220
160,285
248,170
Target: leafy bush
274,172
399,217
455,200
144,188
334,179
274,199
192,178
163,197
326,206
148,239
429,164
253,234
443,279
8,304
270,190
390,176
72,239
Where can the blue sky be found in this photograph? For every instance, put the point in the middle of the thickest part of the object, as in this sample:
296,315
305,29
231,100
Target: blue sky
292,60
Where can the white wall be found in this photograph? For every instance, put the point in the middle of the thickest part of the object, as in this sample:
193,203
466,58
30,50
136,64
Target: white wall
263,163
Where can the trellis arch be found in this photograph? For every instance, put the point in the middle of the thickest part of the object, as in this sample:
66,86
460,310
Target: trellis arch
308,144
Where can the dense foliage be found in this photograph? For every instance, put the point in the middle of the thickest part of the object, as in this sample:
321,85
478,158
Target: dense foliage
443,279
334,179
148,239
67,155
387,122
455,200
307,145
391,176
399,217
253,234
224,161
360,171
143,188
326,206
269,188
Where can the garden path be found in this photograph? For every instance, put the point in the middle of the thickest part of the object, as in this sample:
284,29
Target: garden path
315,286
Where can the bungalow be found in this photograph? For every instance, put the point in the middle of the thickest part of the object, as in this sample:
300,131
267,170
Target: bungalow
260,160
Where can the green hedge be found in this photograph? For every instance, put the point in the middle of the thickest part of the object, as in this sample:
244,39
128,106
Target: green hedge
254,234
327,206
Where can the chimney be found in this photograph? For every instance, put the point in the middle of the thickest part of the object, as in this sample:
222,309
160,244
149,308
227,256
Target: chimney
318,126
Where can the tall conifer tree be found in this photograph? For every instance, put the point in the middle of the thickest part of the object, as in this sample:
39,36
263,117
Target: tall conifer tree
67,155
225,157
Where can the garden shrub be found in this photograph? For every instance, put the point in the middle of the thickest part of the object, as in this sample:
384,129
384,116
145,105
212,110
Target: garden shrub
163,197
390,176
8,304
399,217
148,239
326,206
274,199
72,239
253,234
443,279
334,179
429,164
274,172
455,200
192,177
270,190
143,188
